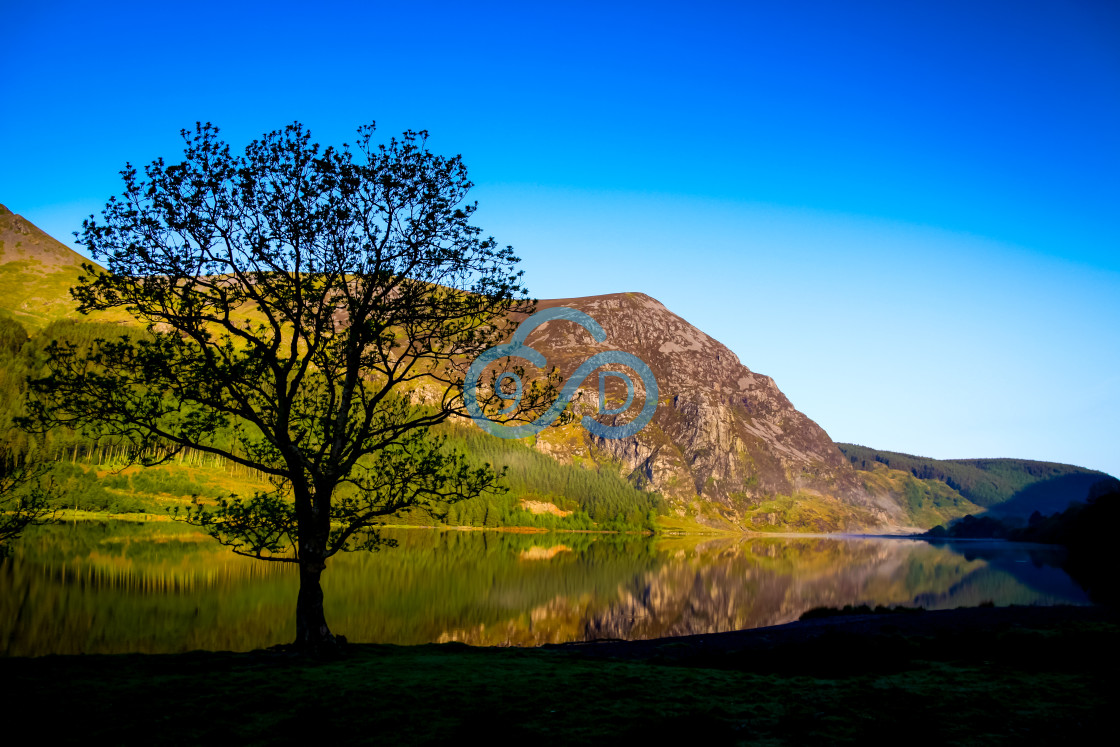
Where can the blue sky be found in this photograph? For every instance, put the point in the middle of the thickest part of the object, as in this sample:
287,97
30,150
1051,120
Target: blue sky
908,214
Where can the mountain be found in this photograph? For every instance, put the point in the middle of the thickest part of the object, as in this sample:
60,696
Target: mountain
36,273
725,446
1005,488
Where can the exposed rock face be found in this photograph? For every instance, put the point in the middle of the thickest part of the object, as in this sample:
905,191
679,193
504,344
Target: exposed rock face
721,432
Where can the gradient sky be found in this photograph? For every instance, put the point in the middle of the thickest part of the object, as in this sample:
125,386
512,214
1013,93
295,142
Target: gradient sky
908,214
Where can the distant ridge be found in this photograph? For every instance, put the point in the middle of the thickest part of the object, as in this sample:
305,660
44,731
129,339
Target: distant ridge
1005,487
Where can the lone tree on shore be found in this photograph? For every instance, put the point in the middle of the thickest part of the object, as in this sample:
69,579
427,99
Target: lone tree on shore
309,313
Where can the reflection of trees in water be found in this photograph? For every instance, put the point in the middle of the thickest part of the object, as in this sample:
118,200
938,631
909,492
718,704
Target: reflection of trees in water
155,588
111,588
1009,573
151,588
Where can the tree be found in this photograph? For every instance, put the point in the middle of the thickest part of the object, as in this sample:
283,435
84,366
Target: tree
309,313
24,489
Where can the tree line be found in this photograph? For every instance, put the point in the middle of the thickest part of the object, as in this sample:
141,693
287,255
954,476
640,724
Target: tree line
597,498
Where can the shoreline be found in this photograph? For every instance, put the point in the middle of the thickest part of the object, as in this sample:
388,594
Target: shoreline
69,515
856,629
899,622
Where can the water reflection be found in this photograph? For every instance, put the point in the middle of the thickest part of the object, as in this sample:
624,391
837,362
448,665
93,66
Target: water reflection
117,587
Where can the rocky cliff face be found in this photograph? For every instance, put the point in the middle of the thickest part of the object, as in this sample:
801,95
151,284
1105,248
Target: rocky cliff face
722,436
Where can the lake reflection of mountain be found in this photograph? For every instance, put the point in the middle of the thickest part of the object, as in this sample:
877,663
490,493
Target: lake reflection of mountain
100,588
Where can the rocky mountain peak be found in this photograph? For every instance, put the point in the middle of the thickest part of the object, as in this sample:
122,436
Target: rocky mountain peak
721,432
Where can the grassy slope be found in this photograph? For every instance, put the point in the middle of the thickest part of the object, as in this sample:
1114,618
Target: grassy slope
1013,486
1039,682
36,274
152,491
803,512
927,503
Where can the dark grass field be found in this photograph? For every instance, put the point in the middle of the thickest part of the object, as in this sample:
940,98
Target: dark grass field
981,676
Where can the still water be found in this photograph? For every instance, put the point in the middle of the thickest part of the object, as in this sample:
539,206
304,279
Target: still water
164,587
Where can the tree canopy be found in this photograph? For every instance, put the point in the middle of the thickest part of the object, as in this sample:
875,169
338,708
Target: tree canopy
308,312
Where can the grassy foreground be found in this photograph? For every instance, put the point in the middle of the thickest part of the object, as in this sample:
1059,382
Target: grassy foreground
967,676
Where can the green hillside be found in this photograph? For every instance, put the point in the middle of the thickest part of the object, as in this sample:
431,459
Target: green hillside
36,273
1009,487
925,503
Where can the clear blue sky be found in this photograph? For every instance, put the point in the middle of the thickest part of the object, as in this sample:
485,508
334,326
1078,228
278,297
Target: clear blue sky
907,213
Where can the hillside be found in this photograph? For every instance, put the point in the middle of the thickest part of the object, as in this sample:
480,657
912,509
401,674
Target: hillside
926,502
725,448
1004,487
36,273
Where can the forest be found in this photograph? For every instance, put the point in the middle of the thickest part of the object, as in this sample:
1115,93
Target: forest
92,474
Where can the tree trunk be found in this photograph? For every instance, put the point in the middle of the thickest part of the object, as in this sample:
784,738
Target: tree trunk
313,518
311,623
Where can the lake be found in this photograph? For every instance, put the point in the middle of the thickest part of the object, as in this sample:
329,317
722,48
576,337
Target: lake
118,587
